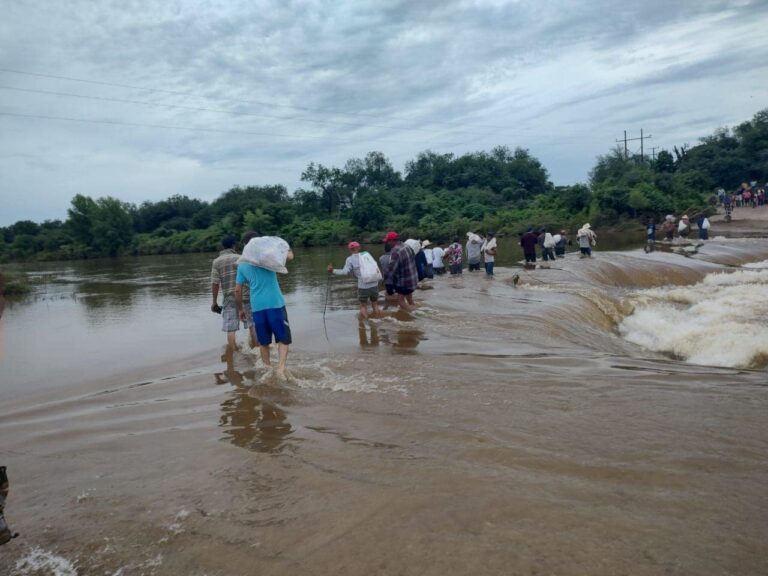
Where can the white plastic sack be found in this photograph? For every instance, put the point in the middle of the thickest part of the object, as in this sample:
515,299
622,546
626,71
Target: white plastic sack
369,269
268,252
705,224
414,245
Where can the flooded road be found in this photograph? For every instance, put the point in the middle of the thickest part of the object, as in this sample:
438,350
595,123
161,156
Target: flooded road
605,416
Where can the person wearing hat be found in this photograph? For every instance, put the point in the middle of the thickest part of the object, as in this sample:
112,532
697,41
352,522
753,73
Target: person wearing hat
428,269
684,227
367,288
400,277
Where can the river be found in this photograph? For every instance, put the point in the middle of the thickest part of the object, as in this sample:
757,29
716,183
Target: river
604,416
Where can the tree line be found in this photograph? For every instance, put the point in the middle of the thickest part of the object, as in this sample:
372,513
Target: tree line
437,196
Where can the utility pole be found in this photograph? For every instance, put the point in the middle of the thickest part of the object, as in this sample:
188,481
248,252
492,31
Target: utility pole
653,151
642,139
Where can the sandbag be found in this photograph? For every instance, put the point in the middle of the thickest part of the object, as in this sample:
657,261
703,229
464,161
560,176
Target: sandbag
369,269
268,252
414,245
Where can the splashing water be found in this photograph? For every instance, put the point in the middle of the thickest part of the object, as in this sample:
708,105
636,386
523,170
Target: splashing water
721,321
39,561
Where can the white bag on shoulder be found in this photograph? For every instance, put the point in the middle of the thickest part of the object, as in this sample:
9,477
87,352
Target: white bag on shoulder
369,269
268,252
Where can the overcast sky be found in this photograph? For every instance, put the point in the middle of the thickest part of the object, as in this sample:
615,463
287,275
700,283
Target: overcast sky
141,100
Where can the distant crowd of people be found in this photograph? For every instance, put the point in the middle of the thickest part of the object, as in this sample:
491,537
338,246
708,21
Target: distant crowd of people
748,195
672,228
406,263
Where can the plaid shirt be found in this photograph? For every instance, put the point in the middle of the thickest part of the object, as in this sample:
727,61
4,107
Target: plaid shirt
224,272
401,271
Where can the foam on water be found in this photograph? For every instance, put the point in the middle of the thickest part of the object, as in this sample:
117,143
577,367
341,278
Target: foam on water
757,265
39,561
721,321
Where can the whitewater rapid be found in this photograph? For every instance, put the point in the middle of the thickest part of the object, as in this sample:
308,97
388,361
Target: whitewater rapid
720,321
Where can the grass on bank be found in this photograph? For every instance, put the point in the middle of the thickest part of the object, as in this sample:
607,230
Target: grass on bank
14,285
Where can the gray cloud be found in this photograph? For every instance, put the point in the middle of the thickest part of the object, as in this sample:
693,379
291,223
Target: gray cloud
325,81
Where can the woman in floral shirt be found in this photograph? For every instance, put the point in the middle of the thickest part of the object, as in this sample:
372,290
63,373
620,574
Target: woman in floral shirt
455,255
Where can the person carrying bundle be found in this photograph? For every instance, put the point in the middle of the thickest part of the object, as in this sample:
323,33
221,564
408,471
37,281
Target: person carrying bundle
262,258
587,238
363,267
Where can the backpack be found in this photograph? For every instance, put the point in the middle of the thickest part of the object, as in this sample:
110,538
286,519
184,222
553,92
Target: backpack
369,270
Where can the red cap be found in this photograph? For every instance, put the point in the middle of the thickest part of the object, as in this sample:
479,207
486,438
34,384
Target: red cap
353,244
391,236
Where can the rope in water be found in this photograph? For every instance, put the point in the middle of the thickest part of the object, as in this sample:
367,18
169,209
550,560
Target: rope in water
325,307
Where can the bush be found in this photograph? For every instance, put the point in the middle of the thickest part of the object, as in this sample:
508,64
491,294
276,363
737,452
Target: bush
13,285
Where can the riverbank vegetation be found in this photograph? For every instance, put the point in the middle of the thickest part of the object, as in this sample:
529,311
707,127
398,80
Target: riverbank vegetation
437,196
13,285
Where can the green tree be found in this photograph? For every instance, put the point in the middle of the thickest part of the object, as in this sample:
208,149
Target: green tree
638,200
664,162
370,212
327,182
80,221
111,226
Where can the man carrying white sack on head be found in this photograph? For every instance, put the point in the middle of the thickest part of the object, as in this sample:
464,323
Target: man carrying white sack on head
262,258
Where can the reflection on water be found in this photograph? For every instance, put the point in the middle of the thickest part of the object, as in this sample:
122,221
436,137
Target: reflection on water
390,331
369,335
251,417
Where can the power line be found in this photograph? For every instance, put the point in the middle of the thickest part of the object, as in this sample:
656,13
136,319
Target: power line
203,109
191,128
183,107
239,100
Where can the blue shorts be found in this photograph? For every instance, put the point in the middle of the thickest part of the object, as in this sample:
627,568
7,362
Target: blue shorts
272,322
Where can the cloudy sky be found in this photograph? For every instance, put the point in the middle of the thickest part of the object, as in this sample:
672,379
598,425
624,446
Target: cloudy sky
141,100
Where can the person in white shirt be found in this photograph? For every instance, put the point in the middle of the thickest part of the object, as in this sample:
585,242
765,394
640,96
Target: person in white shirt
367,290
438,265
489,253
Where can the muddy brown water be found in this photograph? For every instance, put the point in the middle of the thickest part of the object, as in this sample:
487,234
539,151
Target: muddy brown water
498,430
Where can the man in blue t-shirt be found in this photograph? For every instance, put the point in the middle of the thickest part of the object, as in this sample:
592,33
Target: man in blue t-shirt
270,318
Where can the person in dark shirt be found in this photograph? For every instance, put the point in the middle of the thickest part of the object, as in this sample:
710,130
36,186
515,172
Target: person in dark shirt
529,241
400,276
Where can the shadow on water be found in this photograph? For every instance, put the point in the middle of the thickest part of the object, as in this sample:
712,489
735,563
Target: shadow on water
251,416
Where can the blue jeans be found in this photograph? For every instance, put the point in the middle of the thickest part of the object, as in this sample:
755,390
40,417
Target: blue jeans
489,268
